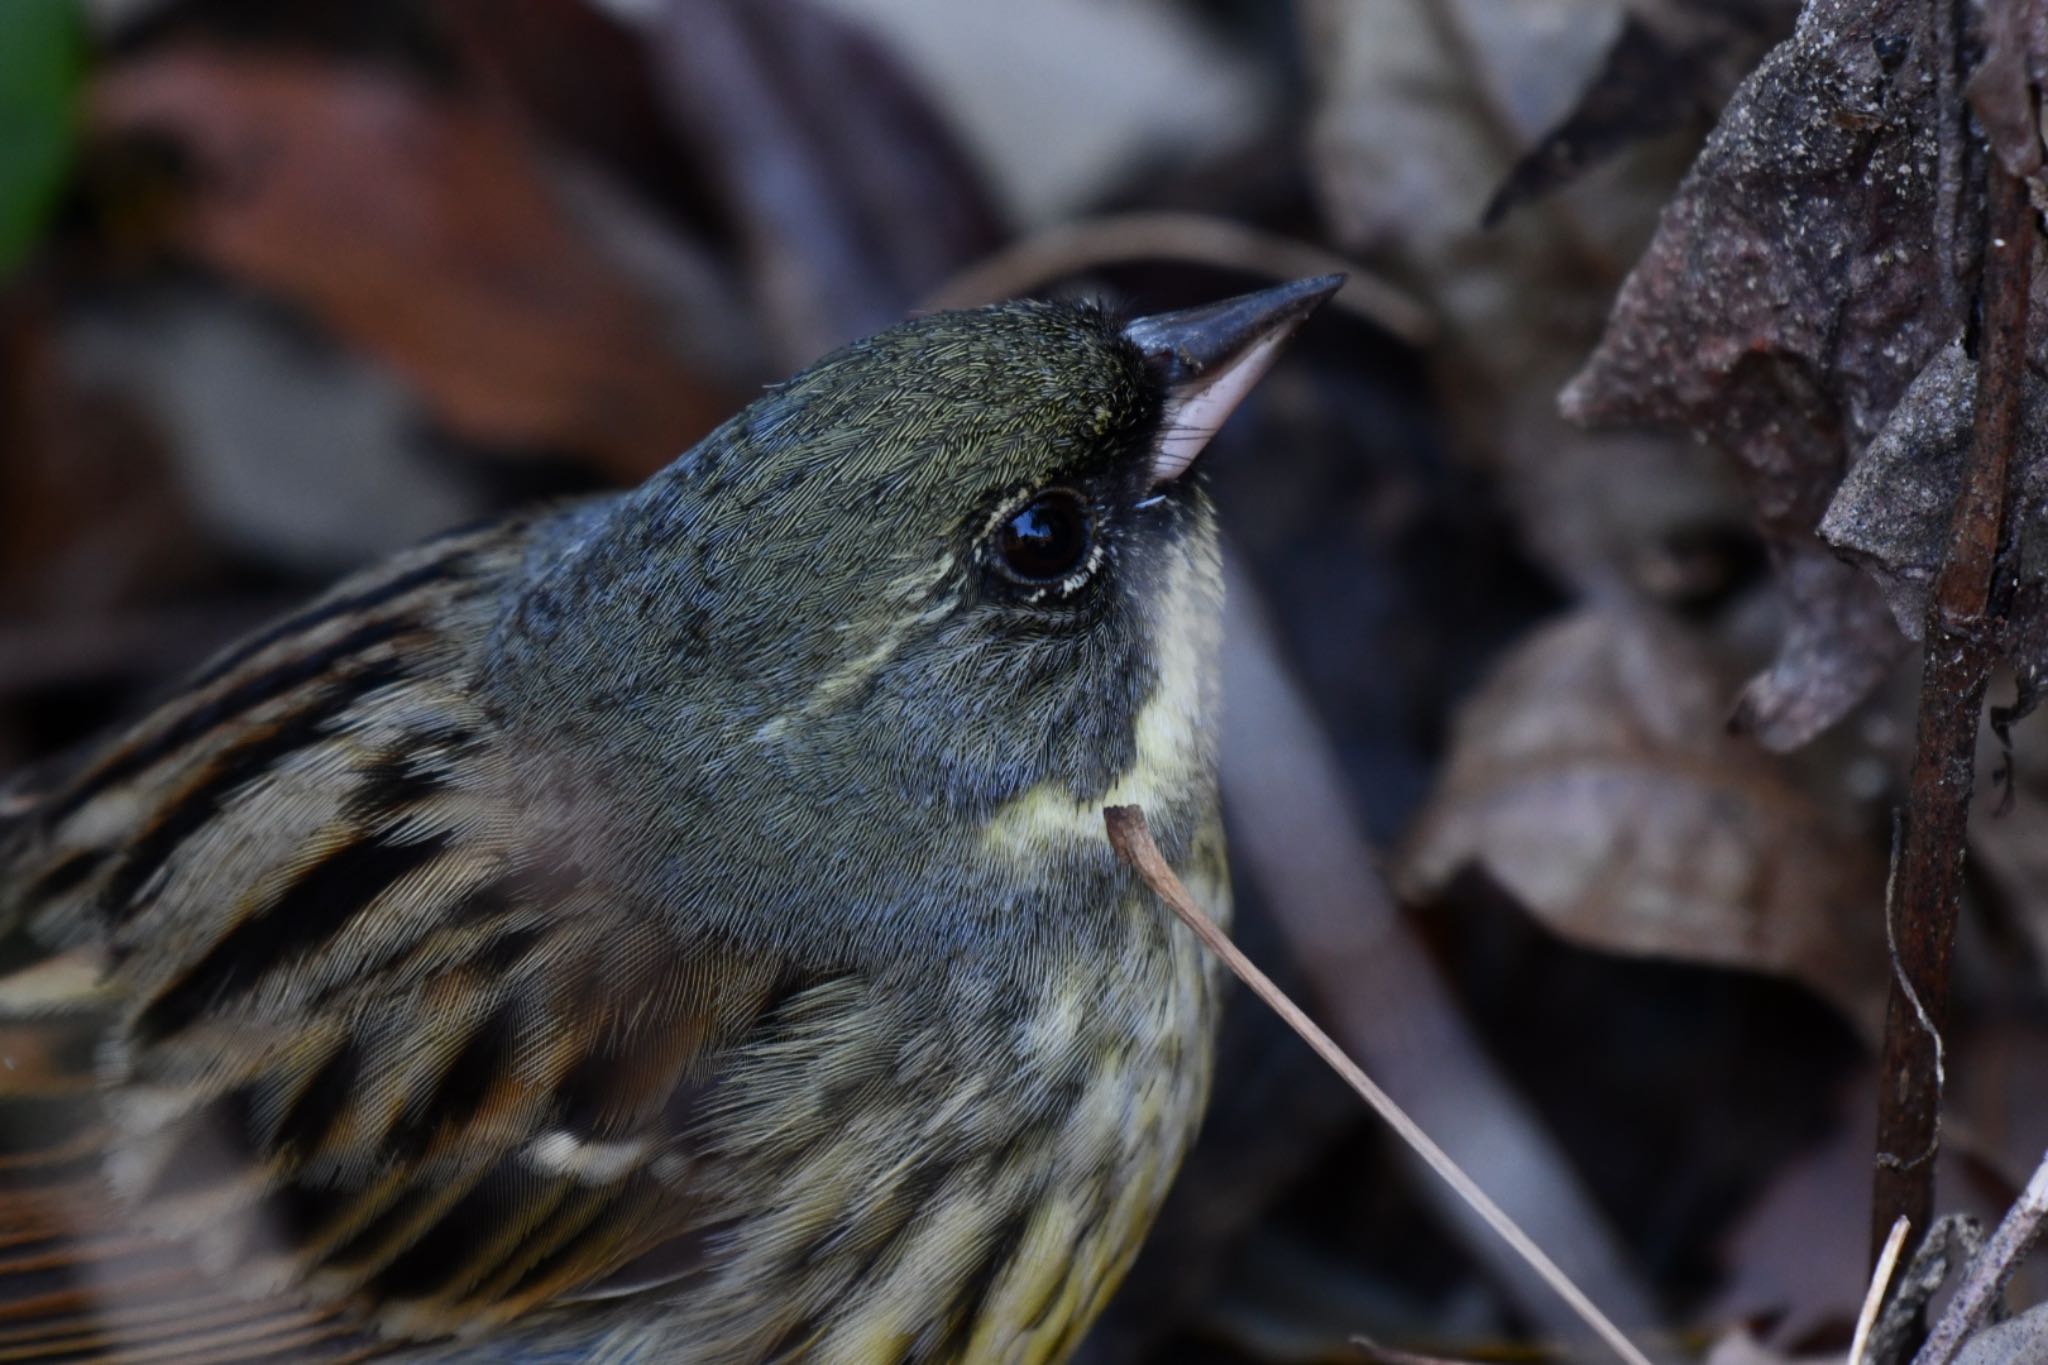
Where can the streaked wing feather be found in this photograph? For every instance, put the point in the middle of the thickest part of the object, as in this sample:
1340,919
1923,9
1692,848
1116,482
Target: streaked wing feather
309,1040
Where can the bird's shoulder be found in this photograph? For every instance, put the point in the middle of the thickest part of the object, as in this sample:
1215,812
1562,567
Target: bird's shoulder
359,695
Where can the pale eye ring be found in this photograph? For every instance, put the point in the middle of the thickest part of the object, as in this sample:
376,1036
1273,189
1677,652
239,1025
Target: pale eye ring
1047,541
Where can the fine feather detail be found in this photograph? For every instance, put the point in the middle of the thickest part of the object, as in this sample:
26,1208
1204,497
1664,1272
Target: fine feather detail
324,1053
300,998
675,928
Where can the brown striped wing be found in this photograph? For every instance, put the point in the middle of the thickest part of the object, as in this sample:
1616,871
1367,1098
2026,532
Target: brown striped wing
308,1042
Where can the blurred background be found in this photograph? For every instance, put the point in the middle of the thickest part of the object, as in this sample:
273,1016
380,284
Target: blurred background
286,284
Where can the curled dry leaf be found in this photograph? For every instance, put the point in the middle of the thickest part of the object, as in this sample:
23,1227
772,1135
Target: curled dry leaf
1836,647
1595,778
420,227
1422,109
1891,514
1786,301
1670,64
1643,88
1796,285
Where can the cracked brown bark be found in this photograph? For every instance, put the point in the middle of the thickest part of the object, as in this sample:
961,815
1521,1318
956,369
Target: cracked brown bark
1960,649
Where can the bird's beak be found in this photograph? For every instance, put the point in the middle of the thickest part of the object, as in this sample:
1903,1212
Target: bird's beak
1208,358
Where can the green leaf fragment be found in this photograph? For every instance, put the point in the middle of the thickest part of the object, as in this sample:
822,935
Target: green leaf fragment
42,65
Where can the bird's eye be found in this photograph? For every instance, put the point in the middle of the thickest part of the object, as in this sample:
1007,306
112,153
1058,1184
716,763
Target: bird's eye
1046,540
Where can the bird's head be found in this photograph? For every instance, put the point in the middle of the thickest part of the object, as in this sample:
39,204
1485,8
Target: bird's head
963,572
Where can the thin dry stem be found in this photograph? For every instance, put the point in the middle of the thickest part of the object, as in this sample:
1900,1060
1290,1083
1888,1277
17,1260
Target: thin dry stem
1133,843
1299,836
1880,1283
1961,623
1072,248
1387,1355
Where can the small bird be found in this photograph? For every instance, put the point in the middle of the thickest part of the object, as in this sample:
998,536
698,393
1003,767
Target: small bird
671,927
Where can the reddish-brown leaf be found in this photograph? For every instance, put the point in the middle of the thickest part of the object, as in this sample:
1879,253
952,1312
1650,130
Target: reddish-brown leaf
421,228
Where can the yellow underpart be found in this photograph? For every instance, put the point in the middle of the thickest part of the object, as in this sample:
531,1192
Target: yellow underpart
945,1242
1035,1275
1104,1262
1056,1286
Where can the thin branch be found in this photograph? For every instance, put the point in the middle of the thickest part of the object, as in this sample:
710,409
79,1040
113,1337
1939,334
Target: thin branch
1901,983
1133,843
1073,248
1902,1323
1990,1272
1959,654
1298,836
1873,1297
1377,1354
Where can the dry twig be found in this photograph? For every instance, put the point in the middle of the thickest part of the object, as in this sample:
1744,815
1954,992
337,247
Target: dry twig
1387,1355
1298,837
1989,1271
1880,1283
1133,843
1959,654
1072,248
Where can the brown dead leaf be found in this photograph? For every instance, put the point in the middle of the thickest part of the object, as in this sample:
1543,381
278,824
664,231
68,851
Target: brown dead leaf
1425,105
1890,515
583,75
1797,283
422,228
1838,644
1790,293
1595,778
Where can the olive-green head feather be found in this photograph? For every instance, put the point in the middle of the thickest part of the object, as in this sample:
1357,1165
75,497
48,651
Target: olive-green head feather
935,579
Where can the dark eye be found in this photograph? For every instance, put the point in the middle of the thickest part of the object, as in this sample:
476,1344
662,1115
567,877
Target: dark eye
1047,539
